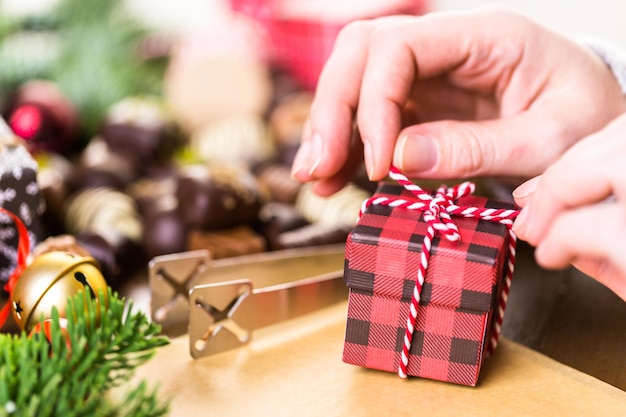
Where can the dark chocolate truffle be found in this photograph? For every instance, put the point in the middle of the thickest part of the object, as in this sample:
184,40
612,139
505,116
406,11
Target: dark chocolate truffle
217,197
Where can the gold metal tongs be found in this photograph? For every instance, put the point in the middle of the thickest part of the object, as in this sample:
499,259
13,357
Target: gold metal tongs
221,302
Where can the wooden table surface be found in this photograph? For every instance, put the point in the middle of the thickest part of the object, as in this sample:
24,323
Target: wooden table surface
568,317
294,368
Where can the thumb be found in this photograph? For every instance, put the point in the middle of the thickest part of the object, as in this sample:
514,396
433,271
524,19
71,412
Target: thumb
519,145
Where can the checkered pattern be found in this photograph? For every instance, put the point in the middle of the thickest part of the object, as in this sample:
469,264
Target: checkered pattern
458,300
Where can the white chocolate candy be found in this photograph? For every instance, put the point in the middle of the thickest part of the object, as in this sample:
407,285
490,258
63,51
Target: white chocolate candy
219,73
233,140
339,209
104,211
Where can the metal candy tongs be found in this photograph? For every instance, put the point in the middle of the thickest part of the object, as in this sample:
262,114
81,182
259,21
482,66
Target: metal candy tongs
221,302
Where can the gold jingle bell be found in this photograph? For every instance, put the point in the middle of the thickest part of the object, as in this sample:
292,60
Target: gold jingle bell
49,281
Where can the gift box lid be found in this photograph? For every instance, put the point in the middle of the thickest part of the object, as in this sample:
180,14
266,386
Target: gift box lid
384,248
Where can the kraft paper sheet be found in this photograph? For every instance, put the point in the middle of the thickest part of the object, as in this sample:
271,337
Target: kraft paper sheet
295,369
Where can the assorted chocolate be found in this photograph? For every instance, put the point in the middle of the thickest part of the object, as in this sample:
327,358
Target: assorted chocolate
213,197
233,140
339,209
205,166
240,240
141,130
142,189
107,223
195,154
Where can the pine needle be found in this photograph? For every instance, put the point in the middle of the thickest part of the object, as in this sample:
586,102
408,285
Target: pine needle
108,340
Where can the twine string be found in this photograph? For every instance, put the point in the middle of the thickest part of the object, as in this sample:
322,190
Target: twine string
438,209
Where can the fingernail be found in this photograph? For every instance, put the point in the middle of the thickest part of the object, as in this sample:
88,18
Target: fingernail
526,189
415,153
368,155
317,151
301,160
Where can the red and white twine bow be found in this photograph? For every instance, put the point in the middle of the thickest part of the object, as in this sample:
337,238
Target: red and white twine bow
437,214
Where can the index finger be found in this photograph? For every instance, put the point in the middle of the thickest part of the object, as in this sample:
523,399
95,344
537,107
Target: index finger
334,105
421,48
337,97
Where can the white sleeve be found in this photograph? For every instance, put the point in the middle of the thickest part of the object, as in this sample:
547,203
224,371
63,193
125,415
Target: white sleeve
612,55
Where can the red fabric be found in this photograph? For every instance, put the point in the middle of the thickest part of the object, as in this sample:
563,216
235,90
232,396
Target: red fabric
302,45
460,292
46,328
23,248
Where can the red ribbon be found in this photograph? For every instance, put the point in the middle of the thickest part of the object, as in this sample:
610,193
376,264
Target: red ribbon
23,247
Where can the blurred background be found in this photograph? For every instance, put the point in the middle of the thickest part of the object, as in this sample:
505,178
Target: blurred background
576,17
160,126
163,126
603,17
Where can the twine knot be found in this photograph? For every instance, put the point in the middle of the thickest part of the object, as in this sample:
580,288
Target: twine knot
437,214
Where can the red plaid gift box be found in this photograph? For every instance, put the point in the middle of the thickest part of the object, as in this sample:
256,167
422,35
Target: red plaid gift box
459,299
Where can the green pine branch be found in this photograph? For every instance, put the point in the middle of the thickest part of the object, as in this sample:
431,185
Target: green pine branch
107,341
89,48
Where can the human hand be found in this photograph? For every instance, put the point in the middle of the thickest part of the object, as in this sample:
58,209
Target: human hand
576,211
485,92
